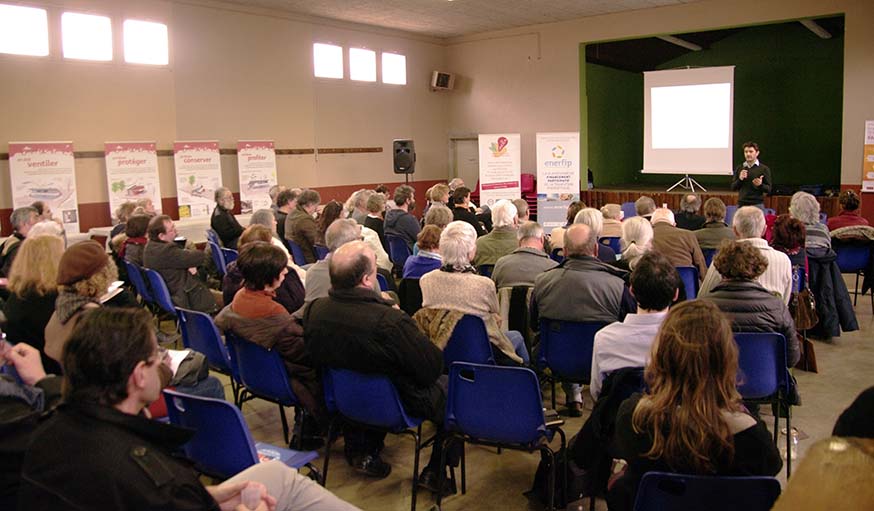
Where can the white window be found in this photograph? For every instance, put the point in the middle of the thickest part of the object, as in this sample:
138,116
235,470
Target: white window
23,30
145,43
327,60
394,68
85,36
362,65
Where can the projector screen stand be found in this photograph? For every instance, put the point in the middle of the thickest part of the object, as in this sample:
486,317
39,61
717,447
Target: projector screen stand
688,183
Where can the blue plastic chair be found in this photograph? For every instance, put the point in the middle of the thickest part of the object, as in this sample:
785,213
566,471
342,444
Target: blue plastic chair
297,254
469,342
612,242
709,253
764,377
135,274
263,375
770,211
321,252
212,237
556,255
160,292
662,491
628,210
689,276
729,213
854,258
478,411
230,255
383,284
566,350
222,445
399,251
823,217
200,334
370,401
218,258
485,270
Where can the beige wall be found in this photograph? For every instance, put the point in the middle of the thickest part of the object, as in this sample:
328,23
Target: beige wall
232,75
527,80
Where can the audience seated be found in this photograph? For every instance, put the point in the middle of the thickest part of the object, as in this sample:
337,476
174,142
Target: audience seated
595,220
502,240
636,241
645,206
400,222
383,261
374,220
438,195
273,192
33,289
463,211
612,214
456,290
688,217
122,213
178,266
805,207
266,218
223,221
428,257
98,451
330,212
654,284
749,226
749,306
556,237
135,243
22,220
691,419
357,205
678,245
354,328
581,289
438,215
300,226
849,215
286,202
714,230
521,210
787,236
524,264
290,294
145,207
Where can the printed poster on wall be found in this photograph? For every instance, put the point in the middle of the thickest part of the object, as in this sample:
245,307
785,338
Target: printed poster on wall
45,171
198,175
500,163
132,174
256,160
558,177
868,158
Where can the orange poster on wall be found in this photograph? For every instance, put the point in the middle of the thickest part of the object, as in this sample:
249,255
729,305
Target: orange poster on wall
868,158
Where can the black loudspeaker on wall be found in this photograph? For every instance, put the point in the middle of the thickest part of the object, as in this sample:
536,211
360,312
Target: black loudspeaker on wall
404,156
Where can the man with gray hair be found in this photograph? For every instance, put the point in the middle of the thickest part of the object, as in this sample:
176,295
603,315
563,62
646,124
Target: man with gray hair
688,217
678,245
502,240
612,220
581,289
22,219
300,226
524,264
286,201
274,192
223,221
749,227
521,210
595,220
644,206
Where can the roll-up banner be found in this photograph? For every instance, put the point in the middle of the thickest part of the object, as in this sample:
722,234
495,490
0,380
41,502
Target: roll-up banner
500,166
45,171
132,174
558,177
256,161
198,175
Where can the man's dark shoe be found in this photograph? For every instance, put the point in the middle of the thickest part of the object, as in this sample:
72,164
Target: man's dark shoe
371,466
430,479
574,409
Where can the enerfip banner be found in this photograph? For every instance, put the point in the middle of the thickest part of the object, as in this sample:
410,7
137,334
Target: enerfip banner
558,177
256,160
500,163
198,174
132,174
45,171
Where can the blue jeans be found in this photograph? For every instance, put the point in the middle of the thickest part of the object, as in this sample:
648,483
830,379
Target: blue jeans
518,345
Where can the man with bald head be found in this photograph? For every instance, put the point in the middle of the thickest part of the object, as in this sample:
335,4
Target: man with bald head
580,289
355,328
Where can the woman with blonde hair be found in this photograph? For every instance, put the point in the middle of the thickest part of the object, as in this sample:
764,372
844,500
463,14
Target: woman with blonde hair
636,241
691,420
32,293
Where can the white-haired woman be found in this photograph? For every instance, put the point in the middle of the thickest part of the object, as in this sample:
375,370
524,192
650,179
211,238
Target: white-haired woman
457,287
636,241
805,207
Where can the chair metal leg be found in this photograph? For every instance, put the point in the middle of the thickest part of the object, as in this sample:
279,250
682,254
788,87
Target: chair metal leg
856,290
552,382
463,470
564,485
788,441
417,436
328,445
551,478
284,424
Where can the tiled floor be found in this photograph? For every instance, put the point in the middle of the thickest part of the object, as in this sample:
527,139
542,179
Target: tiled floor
498,481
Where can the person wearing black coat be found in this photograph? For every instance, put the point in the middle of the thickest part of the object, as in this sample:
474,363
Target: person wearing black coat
223,221
833,304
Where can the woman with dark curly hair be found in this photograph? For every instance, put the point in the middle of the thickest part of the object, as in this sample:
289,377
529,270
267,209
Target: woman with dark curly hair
330,212
787,236
749,306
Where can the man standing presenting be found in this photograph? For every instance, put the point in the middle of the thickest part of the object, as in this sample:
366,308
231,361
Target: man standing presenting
752,180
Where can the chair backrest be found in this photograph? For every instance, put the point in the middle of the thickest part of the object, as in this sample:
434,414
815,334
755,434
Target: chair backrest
556,255
761,364
661,491
469,342
212,236
730,210
200,334
708,255
160,291
222,445
398,250
321,252
689,276
218,257
852,258
261,371
823,217
485,270
230,255
628,210
410,294
496,403
370,399
612,242
770,211
297,254
566,348
383,284
135,274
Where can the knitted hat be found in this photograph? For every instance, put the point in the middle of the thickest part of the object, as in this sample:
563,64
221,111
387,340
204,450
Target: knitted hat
80,262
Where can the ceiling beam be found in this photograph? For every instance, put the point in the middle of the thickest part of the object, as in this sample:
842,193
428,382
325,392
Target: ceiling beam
817,29
680,42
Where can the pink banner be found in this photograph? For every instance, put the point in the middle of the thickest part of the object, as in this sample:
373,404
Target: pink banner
501,185
40,147
113,147
196,146
251,144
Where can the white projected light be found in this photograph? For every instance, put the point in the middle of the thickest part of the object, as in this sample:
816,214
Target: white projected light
23,31
394,69
327,60
145,43
691,116
86,36
362,65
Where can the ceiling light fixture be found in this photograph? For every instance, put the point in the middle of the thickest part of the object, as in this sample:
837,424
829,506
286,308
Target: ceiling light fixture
680,42
817,29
